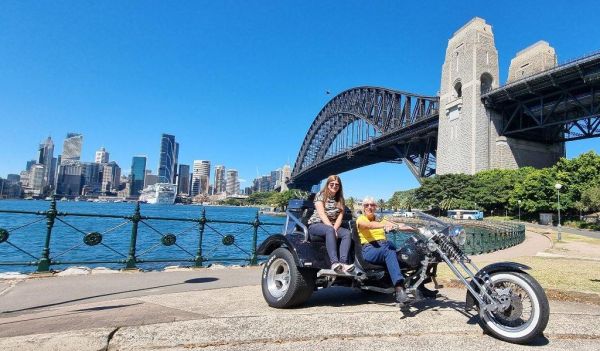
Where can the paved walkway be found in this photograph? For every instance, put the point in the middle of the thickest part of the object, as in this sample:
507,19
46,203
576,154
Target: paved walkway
223,309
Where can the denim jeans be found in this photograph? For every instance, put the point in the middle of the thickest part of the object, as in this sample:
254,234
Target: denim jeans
379,252
327,231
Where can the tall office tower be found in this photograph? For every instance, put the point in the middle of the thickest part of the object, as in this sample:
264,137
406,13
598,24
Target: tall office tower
13,178
176,164
101,156
45,158
72,148
91,175
201,168
138,172
36,179
286,173
275,179
29,164
166,165
111,177
150,178
233,183
183,180
69,179
220,182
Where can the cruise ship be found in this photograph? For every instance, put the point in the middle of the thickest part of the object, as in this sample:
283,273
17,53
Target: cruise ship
159,193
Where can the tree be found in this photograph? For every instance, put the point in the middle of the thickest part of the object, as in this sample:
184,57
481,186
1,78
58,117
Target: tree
350,202
590,198
381,204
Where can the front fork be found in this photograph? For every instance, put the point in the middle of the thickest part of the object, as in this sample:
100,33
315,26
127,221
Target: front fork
487,302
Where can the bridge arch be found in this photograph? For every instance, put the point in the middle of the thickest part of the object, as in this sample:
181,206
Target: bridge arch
357,127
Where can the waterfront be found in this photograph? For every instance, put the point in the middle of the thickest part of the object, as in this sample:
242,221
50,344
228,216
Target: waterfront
28,233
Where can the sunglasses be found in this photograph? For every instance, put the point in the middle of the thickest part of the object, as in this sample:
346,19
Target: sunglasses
370,205
334,184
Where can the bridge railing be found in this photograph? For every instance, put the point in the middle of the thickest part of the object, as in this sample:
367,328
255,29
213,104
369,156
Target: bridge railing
46,239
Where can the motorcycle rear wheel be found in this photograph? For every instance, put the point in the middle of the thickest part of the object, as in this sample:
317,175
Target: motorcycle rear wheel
284,285
528,313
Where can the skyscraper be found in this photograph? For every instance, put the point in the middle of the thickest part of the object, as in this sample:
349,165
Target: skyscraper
111,175
101,156
138,172
167,159
219,179
286,174
72,148
233,183
183,180
200,177
46,155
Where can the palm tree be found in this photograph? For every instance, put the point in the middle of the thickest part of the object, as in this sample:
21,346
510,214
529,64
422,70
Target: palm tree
381,204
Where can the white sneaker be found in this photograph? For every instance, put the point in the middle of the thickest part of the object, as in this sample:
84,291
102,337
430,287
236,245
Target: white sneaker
337,267
348,268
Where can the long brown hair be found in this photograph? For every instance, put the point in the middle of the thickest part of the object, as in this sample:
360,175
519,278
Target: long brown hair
339,195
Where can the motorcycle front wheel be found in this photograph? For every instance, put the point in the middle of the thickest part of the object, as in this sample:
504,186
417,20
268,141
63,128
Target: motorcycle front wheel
527,313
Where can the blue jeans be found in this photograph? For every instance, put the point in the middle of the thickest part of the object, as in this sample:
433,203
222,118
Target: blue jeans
383,251
327,231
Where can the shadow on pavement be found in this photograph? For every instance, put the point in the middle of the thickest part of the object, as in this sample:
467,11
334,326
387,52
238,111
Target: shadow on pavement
189,281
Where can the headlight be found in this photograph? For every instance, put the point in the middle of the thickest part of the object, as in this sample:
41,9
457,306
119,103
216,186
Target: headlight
458,235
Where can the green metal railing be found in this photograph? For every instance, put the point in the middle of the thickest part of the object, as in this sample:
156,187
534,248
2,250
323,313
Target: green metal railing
482,236
133,258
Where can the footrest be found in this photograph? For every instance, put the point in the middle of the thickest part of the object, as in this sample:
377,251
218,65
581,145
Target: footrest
332,273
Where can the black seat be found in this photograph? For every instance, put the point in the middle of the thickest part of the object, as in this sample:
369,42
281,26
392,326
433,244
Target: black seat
358,249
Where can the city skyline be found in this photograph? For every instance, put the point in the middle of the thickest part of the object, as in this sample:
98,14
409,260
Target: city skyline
238,85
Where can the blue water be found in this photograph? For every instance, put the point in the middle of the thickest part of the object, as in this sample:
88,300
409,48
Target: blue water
27,234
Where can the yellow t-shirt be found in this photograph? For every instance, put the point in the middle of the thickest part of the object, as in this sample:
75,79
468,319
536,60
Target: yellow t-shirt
368,235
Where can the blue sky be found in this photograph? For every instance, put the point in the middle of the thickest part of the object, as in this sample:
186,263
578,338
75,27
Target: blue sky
239,82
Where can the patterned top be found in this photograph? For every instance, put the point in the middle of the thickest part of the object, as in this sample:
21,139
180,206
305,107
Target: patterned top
331,210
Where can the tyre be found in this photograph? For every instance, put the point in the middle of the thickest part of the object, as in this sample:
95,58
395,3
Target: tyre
284,285
528,311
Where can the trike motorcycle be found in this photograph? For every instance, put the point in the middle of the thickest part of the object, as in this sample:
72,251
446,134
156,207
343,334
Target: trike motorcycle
511,304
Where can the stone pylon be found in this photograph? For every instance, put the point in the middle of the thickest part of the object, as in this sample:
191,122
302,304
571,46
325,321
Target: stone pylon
468,137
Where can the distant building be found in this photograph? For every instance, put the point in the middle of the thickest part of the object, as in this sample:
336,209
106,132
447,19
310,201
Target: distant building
200,170
138,173
70,179
92,180
101,156
233,183
36,179
167,159
150,179
72,148
13,178
183,180
220,180
111,178
46,157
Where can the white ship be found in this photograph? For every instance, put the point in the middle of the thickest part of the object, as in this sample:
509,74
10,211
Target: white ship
159,193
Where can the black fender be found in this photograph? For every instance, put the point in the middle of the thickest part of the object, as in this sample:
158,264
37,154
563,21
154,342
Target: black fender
274,242
470,300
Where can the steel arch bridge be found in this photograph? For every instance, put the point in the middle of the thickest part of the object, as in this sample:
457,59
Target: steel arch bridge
367,125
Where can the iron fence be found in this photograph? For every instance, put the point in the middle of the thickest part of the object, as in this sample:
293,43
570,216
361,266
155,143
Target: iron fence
67,241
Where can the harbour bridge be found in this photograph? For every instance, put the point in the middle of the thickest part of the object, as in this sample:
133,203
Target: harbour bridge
474,124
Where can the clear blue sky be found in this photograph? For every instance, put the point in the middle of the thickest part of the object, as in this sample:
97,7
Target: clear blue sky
239,82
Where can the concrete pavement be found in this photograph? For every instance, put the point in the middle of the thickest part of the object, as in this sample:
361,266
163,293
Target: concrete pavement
223,309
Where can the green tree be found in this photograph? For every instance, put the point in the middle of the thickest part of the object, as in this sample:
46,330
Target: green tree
591,198
381,204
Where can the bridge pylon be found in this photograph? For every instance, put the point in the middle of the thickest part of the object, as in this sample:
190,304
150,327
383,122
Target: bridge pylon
469,138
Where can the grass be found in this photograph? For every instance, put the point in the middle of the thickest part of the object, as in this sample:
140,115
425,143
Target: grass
567,273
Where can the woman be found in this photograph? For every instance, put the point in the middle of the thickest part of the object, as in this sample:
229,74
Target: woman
377,249
326,221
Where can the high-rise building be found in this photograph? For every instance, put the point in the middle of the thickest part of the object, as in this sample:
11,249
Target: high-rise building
275,179
46,155
201,170
72,148
233,183
36,178
183,180
111,177
91,177
150,178
167,159
70,179
138,173
220,181
101,156
286,174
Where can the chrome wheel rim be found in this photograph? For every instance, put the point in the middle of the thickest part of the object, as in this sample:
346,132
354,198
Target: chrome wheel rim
278,278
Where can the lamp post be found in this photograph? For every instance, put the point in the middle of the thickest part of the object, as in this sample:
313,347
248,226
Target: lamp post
519,202
558,186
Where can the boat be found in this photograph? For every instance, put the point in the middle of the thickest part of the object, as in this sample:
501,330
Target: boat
159,193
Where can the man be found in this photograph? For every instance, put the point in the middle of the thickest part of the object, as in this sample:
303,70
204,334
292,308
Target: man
377,249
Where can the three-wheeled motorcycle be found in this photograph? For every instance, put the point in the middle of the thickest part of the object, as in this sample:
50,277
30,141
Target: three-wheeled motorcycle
512,306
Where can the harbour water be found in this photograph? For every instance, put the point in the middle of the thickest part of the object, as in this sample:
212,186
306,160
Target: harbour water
27,234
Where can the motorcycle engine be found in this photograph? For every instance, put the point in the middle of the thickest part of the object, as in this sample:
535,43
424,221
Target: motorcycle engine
411,253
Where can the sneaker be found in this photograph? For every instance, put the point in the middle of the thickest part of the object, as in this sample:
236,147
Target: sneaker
401,296
348,268
337,267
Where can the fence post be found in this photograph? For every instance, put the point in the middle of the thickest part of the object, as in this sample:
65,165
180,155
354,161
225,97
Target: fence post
198,259
44,263
255,224
135,219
